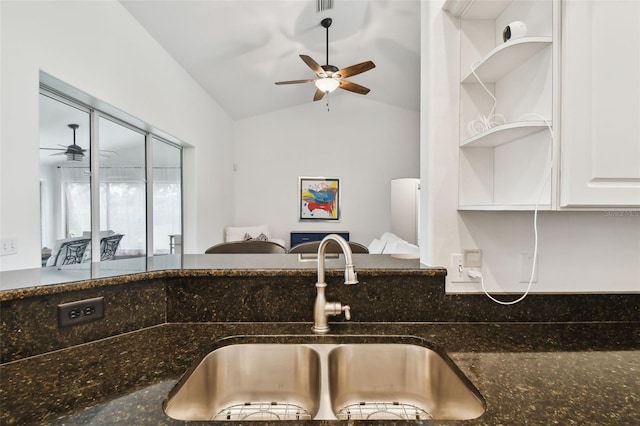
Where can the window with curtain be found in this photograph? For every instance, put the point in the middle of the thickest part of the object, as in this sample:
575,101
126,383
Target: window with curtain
123,186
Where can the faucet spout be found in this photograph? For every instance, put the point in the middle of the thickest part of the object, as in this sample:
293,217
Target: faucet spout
350,275
322,308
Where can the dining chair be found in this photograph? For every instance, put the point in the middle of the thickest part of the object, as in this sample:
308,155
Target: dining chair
332,247
252,246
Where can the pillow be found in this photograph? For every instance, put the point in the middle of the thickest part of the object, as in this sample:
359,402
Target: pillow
405,247
402,247
389,237
260,237
391,247
237,233
376,246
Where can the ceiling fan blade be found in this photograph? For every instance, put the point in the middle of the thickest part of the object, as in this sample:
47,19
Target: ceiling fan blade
356,69
315,67
54,149
295,81
318,95
353,87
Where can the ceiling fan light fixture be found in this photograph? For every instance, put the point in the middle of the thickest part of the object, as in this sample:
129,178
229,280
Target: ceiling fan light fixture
327,84
74,157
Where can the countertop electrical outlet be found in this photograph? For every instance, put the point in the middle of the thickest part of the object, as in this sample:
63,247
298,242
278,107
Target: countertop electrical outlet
79,312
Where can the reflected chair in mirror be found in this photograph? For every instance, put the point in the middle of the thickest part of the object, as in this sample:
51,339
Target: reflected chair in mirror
71,252
247,247
332,247
109,246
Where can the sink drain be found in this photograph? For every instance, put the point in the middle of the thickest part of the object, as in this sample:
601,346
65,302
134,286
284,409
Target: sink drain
263,411
382,411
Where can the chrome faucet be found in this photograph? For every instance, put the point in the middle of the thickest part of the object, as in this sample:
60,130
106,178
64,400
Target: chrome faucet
323,309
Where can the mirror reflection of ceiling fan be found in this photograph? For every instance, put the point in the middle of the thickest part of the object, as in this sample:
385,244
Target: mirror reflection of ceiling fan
76,152
329,76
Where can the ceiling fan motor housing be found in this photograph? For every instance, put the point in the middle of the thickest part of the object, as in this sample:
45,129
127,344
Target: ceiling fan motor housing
330,70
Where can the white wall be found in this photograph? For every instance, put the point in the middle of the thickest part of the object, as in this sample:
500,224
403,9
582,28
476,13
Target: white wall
101,50
364,143
579,251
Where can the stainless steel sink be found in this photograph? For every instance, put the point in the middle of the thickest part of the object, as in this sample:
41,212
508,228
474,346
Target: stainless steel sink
250,382
379,381
391,381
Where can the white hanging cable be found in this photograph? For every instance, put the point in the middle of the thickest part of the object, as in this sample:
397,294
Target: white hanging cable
547,176
488,121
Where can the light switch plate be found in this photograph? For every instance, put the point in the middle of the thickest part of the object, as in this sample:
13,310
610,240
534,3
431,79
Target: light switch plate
8,246
458,272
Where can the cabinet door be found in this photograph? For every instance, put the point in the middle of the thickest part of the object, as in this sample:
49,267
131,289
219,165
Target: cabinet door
600,115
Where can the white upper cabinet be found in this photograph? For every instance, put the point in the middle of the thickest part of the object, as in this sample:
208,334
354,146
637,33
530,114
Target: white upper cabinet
600,114
574,75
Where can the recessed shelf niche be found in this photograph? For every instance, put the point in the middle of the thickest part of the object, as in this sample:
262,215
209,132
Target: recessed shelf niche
504,165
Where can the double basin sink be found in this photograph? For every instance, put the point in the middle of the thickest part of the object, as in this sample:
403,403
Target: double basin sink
355,381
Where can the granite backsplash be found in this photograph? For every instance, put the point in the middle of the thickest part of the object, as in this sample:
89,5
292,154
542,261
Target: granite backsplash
30,325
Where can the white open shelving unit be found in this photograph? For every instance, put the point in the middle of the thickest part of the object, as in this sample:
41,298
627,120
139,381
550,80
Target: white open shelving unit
505,58
503,167
504,133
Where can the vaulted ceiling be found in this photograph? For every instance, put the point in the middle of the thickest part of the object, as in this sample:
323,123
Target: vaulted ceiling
237,49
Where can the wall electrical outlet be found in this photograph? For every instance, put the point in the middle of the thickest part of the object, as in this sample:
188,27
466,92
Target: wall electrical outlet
79,312
472,258
8,246
526,262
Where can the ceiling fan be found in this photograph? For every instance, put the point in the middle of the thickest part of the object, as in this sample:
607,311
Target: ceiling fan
329,76
76,152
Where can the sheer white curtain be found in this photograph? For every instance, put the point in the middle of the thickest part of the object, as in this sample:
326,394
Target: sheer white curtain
123,206
167,207
76,190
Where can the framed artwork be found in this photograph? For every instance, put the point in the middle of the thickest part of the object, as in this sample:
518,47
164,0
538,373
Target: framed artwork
319,198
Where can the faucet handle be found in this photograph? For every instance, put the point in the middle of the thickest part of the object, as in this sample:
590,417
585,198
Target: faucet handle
347,312
336,308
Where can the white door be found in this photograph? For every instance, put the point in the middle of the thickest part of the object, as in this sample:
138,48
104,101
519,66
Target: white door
600,114
405,204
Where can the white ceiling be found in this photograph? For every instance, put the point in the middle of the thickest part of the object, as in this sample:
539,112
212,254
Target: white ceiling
237,49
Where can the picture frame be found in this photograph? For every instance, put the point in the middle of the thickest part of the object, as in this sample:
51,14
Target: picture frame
319,199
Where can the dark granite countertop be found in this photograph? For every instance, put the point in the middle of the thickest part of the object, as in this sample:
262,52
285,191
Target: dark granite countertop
527,373
551,359
51,280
